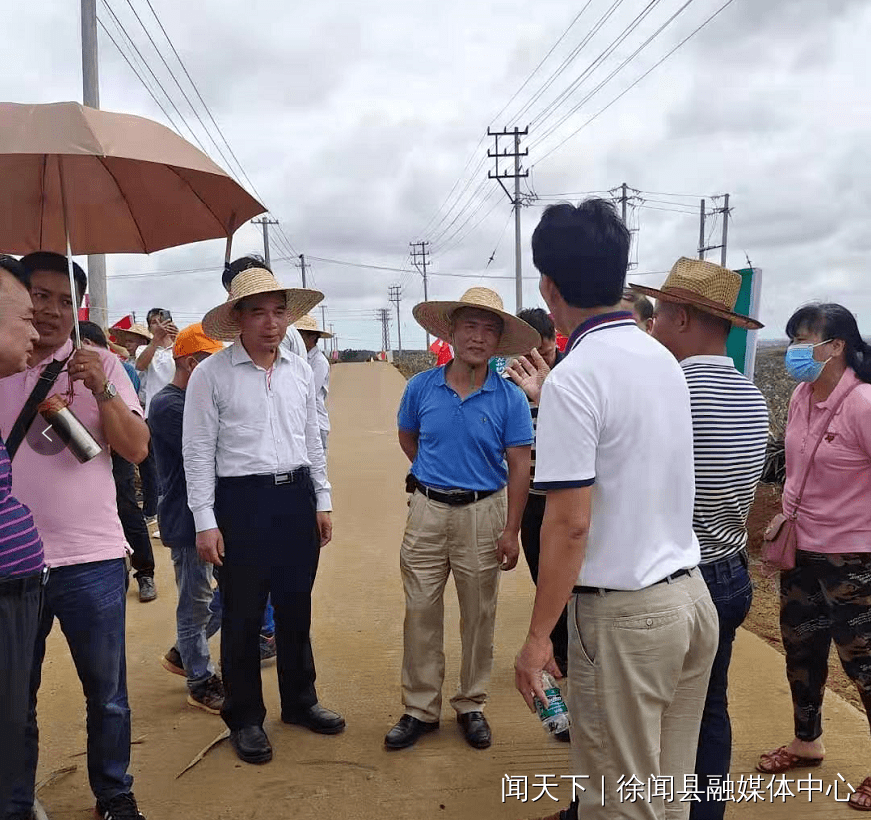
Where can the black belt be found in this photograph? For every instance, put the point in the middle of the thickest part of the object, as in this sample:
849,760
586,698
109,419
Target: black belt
270,479
455,499
581,590
11,587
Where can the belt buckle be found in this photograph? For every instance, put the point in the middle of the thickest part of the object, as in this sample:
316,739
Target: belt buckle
283,478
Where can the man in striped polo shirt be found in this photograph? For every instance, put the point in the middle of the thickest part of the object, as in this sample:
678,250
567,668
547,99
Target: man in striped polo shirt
21,555
695,312
529,373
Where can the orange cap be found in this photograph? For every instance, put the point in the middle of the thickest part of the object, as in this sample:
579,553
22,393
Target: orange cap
192,340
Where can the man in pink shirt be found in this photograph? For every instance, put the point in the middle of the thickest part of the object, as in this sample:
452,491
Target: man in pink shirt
73,505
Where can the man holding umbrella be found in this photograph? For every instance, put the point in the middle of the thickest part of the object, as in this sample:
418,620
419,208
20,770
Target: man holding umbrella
73,505
258,490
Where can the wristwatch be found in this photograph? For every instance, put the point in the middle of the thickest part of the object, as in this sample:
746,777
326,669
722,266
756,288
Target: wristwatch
108,393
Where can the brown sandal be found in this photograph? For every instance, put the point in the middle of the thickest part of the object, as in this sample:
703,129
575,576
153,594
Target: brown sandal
782,760
865,791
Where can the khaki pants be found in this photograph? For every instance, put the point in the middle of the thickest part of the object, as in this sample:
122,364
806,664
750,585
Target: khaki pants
440,539
639,664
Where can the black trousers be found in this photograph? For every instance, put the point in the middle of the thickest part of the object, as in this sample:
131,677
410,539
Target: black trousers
150,484
271,547
132,518
19,620
530,537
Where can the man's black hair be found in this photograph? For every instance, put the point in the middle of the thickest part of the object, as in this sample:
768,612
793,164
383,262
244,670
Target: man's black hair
238,265
642,306
46,260
93,333
584,249
12,266
539,319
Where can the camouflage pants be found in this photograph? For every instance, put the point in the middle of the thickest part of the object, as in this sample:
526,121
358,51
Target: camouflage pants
826,597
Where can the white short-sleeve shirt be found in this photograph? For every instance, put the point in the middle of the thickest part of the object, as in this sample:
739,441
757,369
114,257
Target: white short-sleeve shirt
615,415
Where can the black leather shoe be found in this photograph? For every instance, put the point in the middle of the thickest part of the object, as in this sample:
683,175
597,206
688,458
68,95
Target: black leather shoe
407,731
475,729
251,744
318,719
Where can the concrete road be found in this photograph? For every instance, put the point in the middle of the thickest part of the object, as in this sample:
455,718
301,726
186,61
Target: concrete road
357,635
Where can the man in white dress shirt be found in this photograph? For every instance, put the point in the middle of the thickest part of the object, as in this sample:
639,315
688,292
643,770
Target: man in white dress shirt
258,490
311,334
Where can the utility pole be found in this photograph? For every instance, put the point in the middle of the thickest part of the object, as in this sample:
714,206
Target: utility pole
724,211
516,200
265,222
623,201
422,255
384,318
302,267
324,323
91,98
396,296
335,339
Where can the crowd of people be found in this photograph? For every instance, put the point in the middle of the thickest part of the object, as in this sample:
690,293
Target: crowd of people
625,466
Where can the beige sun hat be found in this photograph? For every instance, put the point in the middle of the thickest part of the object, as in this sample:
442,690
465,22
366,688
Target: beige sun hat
706,286
220,322
310,325
517,336
135,329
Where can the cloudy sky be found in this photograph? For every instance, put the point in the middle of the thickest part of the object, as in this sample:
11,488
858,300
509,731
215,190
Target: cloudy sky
361,126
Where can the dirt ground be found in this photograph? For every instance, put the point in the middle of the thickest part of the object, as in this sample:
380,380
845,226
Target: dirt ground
764,617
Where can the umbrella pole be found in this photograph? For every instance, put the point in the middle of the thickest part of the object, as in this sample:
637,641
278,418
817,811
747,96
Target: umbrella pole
73,292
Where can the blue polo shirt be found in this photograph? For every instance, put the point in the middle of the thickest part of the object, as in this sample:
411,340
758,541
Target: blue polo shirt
462,442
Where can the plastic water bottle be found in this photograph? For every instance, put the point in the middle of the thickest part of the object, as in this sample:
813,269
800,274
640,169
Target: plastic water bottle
555,714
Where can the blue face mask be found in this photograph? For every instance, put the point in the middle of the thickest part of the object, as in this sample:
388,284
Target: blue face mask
801,364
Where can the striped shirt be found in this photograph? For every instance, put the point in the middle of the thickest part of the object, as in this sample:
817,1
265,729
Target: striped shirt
730,434
20,544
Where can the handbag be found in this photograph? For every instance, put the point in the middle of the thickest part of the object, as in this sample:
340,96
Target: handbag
780,539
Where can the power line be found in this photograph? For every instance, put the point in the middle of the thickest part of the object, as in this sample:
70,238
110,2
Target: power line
178,84
551,109
572,57
147,65
543,61
136,72
616,71
639,79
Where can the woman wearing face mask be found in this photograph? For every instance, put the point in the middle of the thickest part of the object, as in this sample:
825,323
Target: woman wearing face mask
828,594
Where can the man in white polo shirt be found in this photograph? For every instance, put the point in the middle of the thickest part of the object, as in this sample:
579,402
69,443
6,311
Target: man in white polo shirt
615,455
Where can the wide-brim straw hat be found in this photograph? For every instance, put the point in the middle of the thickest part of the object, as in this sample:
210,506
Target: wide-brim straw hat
518,337
221,322
135,329
710,288
309,325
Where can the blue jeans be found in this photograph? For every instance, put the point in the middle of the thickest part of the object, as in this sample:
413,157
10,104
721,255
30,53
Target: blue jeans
198,614
89,601
732,593
268,625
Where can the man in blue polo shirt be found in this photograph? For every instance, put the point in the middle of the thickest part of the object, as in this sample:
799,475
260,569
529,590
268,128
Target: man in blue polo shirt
468,433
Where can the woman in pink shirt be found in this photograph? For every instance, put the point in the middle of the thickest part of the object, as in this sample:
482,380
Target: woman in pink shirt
828,594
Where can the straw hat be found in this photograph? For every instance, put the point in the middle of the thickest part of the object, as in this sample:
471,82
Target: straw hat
135,329
706,286
517,336
220,322
309,325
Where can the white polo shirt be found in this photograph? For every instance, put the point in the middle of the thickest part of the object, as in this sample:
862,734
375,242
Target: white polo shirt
615,415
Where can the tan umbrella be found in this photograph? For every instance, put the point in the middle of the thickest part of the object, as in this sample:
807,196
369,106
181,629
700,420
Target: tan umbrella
119,184
75,180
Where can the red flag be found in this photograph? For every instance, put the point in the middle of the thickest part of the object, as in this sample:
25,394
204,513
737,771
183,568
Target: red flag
444,355
85,309
124,323
561,342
